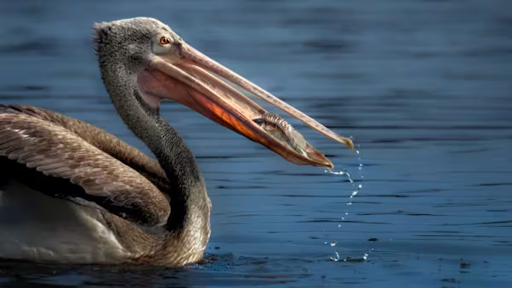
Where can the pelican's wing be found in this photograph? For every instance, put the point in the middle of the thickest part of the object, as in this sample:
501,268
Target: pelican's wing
51,151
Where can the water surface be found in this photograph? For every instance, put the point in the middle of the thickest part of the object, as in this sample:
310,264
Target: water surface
423,86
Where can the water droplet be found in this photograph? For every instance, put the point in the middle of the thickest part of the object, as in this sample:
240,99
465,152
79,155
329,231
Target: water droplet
337,258
333,243
335,172
357,188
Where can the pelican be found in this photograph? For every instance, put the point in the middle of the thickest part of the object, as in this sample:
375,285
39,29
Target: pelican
73,193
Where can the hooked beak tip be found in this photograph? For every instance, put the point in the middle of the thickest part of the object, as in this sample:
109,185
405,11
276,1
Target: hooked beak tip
349,143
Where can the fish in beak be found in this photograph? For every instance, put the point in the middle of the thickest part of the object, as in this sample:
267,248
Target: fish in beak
187,76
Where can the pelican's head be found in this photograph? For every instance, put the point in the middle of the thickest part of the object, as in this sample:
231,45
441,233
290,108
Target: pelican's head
163,66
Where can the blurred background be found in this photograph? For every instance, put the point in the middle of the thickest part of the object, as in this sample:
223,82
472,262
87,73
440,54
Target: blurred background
423,86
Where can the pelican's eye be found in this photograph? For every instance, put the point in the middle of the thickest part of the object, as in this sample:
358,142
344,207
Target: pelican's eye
164,41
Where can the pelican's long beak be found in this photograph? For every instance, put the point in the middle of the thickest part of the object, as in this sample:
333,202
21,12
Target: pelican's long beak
193,79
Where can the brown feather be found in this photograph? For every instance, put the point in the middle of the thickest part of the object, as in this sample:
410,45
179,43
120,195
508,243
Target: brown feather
102,140
57,152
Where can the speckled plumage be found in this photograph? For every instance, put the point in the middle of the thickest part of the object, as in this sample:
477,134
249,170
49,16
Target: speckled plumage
56,152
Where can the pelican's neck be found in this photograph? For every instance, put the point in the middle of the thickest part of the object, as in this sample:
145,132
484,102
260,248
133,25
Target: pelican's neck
190,205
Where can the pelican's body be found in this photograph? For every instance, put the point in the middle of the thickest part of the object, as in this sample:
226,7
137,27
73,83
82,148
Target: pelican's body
36,227
69,227
73,193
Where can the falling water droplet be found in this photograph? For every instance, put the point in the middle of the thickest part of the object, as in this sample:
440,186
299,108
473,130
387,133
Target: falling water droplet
343,172
337,258
357,188
335,172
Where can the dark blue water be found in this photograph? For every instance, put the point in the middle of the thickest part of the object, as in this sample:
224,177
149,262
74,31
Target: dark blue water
425,87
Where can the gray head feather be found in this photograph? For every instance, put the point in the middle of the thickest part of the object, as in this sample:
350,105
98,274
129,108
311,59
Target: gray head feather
126,42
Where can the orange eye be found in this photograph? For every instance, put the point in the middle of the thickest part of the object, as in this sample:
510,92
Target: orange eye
164,41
